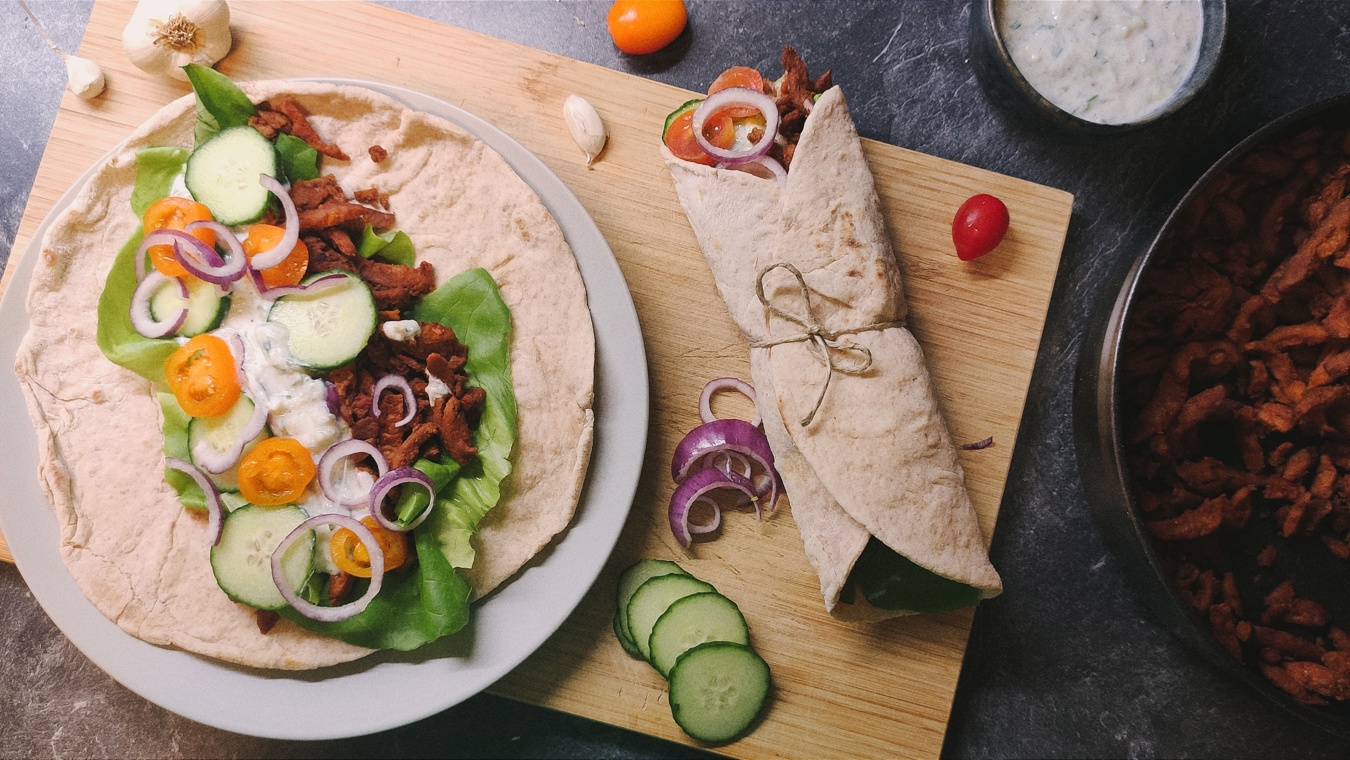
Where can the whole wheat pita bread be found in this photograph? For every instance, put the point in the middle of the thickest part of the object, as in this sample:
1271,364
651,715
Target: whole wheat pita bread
876,458
135,552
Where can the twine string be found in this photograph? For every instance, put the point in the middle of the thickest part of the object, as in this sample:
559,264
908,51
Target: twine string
823,344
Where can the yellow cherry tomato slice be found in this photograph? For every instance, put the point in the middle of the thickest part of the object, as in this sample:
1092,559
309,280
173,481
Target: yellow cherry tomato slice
640,27
174,213
291,270
275,472
351,556
203,376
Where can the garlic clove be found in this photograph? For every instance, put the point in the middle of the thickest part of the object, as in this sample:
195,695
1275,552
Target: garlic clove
586,126
83,77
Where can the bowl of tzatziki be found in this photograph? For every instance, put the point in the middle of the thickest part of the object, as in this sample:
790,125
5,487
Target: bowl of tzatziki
1095,66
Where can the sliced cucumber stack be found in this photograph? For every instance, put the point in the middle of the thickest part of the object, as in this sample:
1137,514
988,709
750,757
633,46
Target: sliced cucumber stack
242,561
222,173
699,641
330,327
206,306
633,577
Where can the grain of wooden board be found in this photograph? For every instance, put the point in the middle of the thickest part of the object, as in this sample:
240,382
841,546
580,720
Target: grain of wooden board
880,690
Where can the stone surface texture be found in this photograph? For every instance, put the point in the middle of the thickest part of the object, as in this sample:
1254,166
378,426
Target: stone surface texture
1067,662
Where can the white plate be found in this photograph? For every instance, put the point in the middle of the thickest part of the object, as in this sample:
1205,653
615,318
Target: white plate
503,630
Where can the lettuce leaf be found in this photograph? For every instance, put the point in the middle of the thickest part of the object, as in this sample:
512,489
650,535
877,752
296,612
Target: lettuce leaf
116,338
220,102
176,445
297,159
471,305
412,608
394,247
155,172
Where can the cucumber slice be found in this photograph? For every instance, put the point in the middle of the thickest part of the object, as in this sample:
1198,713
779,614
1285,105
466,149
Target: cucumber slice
622,636
717,690
652,599
687,107
637,574
206,306
222,173
694,620
329,328
242,561
219,434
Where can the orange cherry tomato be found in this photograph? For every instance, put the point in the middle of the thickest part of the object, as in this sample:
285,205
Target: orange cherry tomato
718,129
739,76
351,556
275,471
291,270
174,213
203,376
640,27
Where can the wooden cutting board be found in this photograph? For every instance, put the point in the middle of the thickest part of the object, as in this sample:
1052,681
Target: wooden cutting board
882,690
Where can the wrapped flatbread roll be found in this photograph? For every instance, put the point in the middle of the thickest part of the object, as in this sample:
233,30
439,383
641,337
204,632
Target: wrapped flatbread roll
807,271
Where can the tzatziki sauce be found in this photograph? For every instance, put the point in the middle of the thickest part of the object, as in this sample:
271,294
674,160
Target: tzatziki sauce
1104,61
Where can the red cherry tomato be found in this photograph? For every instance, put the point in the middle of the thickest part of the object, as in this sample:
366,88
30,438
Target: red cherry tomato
979,226
640,27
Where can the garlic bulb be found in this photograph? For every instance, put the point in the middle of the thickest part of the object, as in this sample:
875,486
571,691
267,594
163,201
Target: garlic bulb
163,36
587,129
83,77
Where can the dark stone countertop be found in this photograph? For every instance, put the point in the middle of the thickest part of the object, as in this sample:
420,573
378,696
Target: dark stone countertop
1067,662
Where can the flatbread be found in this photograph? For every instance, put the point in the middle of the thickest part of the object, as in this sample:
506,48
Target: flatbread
142,558
876,458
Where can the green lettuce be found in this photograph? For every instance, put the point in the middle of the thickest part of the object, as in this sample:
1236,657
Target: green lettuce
394,247
471,305
220,102
297,158
155,172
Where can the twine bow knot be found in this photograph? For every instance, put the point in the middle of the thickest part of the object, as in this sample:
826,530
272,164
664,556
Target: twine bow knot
823,344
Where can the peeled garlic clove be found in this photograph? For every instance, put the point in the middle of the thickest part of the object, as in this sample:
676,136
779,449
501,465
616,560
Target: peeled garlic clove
586,126
83,77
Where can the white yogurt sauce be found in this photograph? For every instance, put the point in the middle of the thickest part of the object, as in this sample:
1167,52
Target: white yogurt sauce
1105,61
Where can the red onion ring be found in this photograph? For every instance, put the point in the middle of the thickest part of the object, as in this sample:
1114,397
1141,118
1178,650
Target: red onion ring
318,285
336,453
342,612
976,446
731,435
215,510
695,488
278,253
386,483
409,398
737,96
142,319
724,384
219,272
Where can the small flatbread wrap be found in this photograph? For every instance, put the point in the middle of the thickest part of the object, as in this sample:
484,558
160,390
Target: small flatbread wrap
807,272
135,551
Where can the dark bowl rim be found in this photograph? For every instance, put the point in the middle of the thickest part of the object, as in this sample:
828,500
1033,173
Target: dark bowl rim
1205,67
1099,443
